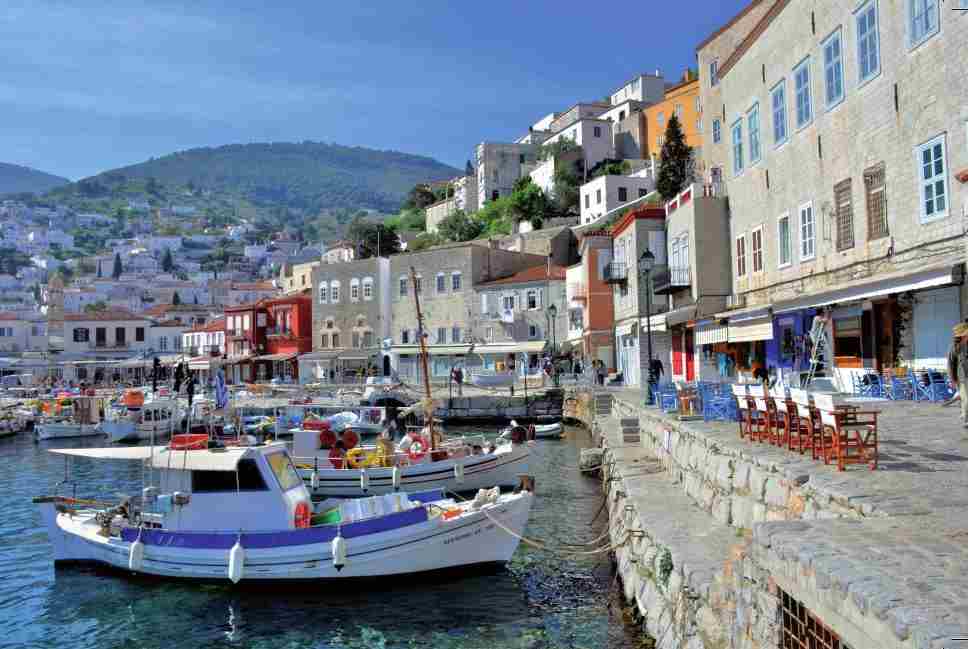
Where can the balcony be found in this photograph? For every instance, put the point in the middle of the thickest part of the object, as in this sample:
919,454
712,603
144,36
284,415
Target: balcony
279,332
105,345
669,279
616,273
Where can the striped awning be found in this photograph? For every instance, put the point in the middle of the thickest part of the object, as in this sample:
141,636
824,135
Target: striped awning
710,333
750,330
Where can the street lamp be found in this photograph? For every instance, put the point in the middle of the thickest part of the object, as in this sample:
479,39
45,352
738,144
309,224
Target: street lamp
646,264
552,314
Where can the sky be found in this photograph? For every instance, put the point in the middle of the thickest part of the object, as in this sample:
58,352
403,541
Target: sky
89,86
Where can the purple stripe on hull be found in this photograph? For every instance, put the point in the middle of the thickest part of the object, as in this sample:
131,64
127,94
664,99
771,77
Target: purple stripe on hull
265,540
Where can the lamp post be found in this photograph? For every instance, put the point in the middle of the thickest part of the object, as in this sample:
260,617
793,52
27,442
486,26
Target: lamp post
646,264
552,314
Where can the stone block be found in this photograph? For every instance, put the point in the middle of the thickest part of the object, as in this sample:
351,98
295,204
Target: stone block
722,509
758,480
777,494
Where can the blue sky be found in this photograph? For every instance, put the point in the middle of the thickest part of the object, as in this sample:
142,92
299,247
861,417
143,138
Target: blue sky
88,86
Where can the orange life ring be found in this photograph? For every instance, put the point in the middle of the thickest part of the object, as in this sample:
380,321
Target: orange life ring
350,439
189,442
336,458
327,439
420,442
304,515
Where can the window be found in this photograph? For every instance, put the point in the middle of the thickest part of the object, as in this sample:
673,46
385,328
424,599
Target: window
532,299
660,118
139,334
598,197
329,324
783,241
623,194
753,124
163,343
801,81
833,69
844,211
532,331
520,161
717,135
876,200
738,147
922,20
324,341
756,245
455,336
714,73
246,477
455,281
441,335
335,340
285,473
588,200
643,192
323,293
418,284
807,232
621,115
868,42
367,339
778,104
403,287
678,110
699,125
405,337
508,302
100,336
334,292
367,289
441,283
698,105
355,291
597,131
933,179
741,255
356,340
489,334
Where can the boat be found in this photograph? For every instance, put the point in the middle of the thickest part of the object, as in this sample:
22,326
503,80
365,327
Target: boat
489,380
69,416
536,431
155,419
242,513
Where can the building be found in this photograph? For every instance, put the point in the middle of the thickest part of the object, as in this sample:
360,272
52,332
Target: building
165,336
639,230
438,212
446,277
845,172
682,100
465,193
289,334
340,252
642,88
350,319
607,192
21,332
499,166
593,135
186,314
245,341
298,278
590,300
205,345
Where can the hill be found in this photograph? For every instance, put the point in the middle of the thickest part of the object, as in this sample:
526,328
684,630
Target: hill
15,179
309,176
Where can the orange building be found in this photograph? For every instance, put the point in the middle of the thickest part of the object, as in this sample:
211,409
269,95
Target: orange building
683,101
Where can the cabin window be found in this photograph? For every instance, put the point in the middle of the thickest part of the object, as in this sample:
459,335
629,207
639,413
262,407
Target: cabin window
249,479
149,415
284,471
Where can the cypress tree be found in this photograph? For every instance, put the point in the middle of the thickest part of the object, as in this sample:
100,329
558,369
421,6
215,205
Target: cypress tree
118,269
675,166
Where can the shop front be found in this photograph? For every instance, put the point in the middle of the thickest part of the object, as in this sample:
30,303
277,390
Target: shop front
744,351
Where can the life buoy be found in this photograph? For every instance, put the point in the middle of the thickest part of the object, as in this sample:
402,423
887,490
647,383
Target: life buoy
350,439
336,458
304,515
327,439
189,442
357,458
418,448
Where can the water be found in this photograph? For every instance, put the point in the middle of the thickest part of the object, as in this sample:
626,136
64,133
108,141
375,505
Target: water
540,601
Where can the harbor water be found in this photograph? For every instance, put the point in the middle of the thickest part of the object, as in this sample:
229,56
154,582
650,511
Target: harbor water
541,601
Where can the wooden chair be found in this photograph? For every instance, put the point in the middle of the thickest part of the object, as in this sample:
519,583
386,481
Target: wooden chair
802,435
781,422
747,410
853,434
761,424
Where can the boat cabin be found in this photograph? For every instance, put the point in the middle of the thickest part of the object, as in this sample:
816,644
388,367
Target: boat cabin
235,488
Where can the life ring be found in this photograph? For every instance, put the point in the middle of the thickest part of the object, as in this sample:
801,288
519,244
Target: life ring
350,439
327,438
358,458
336,458
304,515
418,448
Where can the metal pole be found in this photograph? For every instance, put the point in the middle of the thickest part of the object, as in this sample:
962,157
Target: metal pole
648,329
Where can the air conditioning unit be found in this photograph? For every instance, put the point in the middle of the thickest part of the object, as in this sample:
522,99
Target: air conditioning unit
736,301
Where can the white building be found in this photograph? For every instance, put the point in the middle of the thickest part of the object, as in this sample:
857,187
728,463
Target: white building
645,88
593,135
499,166
22,332
605,193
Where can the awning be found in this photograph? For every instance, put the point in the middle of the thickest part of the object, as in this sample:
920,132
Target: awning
750,330
503,349
204,460
277,357
111,453
664,321
433,350
200,363
895,283
357,356
656,323
318,356
710,333
135,362
625,329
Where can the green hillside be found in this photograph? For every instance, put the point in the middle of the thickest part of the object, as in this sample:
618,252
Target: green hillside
309,176
15,179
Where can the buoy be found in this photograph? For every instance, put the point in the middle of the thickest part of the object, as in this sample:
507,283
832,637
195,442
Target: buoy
339,552
459,472
236,561
314,480
136,554
364,480
396,478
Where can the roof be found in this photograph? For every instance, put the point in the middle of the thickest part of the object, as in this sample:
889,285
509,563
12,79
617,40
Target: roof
534,274
218,324
162,309
253,286
732,21
169,323
755,33
161,457
107,314
634,215
9,316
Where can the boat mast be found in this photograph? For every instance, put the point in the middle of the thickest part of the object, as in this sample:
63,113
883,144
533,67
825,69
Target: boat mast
429,404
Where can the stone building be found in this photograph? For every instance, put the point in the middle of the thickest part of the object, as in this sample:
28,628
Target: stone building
845,129
499,165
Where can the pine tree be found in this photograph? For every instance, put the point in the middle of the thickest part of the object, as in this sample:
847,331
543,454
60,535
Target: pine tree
675,166
118,268
167,264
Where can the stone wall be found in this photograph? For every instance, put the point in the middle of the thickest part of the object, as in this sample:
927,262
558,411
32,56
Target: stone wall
542,404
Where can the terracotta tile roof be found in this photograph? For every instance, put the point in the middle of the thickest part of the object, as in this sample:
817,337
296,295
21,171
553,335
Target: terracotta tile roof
533,274
218,324
162,309
100,316
169,323
253,286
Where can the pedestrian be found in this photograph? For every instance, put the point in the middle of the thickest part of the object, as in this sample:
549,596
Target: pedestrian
958,368
459,380
576,368
601,372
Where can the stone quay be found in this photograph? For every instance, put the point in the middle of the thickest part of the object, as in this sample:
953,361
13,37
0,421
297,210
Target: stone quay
725,543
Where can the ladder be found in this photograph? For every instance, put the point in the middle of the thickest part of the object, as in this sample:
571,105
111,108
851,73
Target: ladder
818,334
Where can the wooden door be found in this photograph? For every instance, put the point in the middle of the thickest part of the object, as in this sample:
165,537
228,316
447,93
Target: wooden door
690,356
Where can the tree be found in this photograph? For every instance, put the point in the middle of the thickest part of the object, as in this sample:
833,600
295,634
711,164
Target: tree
420,197
373,239
118,268
195,300
96,307
566,194
167,263
529,203
175,298
424,241
460,227
675,166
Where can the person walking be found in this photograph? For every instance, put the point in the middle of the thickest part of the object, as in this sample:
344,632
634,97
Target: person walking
958,368
459,380
601,372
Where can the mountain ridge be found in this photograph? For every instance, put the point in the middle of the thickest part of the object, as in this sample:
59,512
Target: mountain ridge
18,179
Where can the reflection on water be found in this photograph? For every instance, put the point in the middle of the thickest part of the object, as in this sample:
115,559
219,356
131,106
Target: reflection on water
540,601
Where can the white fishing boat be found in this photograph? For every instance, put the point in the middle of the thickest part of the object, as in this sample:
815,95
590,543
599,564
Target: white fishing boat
243,513
536,431
74,416
491,380
155,419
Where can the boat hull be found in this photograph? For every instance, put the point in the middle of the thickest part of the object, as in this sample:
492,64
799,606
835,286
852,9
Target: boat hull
125,431
62,431
502,468
472,539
